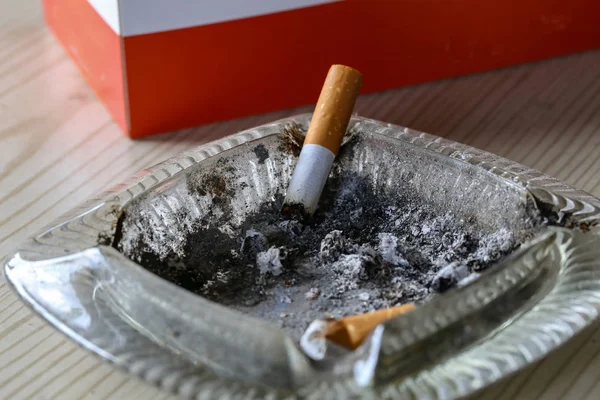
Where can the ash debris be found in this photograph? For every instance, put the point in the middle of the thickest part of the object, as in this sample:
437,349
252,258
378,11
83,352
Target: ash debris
363,250
270,261
449,276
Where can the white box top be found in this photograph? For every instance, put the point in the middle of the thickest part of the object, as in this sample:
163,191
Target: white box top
138,17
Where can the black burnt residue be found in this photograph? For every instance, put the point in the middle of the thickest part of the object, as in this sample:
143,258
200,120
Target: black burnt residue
261,152
292,138
108,239
557,217
217,184
104,239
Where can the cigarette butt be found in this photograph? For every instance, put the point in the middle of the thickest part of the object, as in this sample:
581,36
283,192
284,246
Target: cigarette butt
351,331
323,140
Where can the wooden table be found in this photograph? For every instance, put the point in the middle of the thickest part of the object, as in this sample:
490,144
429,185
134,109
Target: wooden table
58,146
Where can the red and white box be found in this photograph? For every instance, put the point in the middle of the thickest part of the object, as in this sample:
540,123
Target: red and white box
161,65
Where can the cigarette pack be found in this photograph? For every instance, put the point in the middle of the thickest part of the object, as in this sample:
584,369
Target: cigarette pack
161,65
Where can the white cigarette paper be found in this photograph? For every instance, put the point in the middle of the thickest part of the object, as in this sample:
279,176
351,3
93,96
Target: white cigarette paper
310,176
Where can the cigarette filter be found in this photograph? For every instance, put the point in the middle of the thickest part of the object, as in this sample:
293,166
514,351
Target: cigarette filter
351,331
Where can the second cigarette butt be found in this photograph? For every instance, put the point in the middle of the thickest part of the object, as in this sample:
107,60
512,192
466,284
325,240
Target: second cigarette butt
351,331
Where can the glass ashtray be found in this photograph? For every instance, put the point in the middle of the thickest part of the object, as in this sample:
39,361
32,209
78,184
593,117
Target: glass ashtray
106,273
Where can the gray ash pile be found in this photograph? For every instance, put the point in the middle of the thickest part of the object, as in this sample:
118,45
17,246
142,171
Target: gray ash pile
363,250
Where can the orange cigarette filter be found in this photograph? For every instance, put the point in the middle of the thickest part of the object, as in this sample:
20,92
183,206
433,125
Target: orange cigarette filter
334,107
351,331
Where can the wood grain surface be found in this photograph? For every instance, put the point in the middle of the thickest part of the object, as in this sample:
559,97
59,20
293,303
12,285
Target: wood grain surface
58,146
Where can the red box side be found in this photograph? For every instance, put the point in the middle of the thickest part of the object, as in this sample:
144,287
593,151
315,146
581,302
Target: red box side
226,70
95,48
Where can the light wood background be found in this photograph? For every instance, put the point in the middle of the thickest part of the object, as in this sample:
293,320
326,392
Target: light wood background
58,146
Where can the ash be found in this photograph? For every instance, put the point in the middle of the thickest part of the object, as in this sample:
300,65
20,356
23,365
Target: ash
362,251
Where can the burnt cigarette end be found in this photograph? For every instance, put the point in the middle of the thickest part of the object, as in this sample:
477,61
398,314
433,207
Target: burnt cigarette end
296,212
